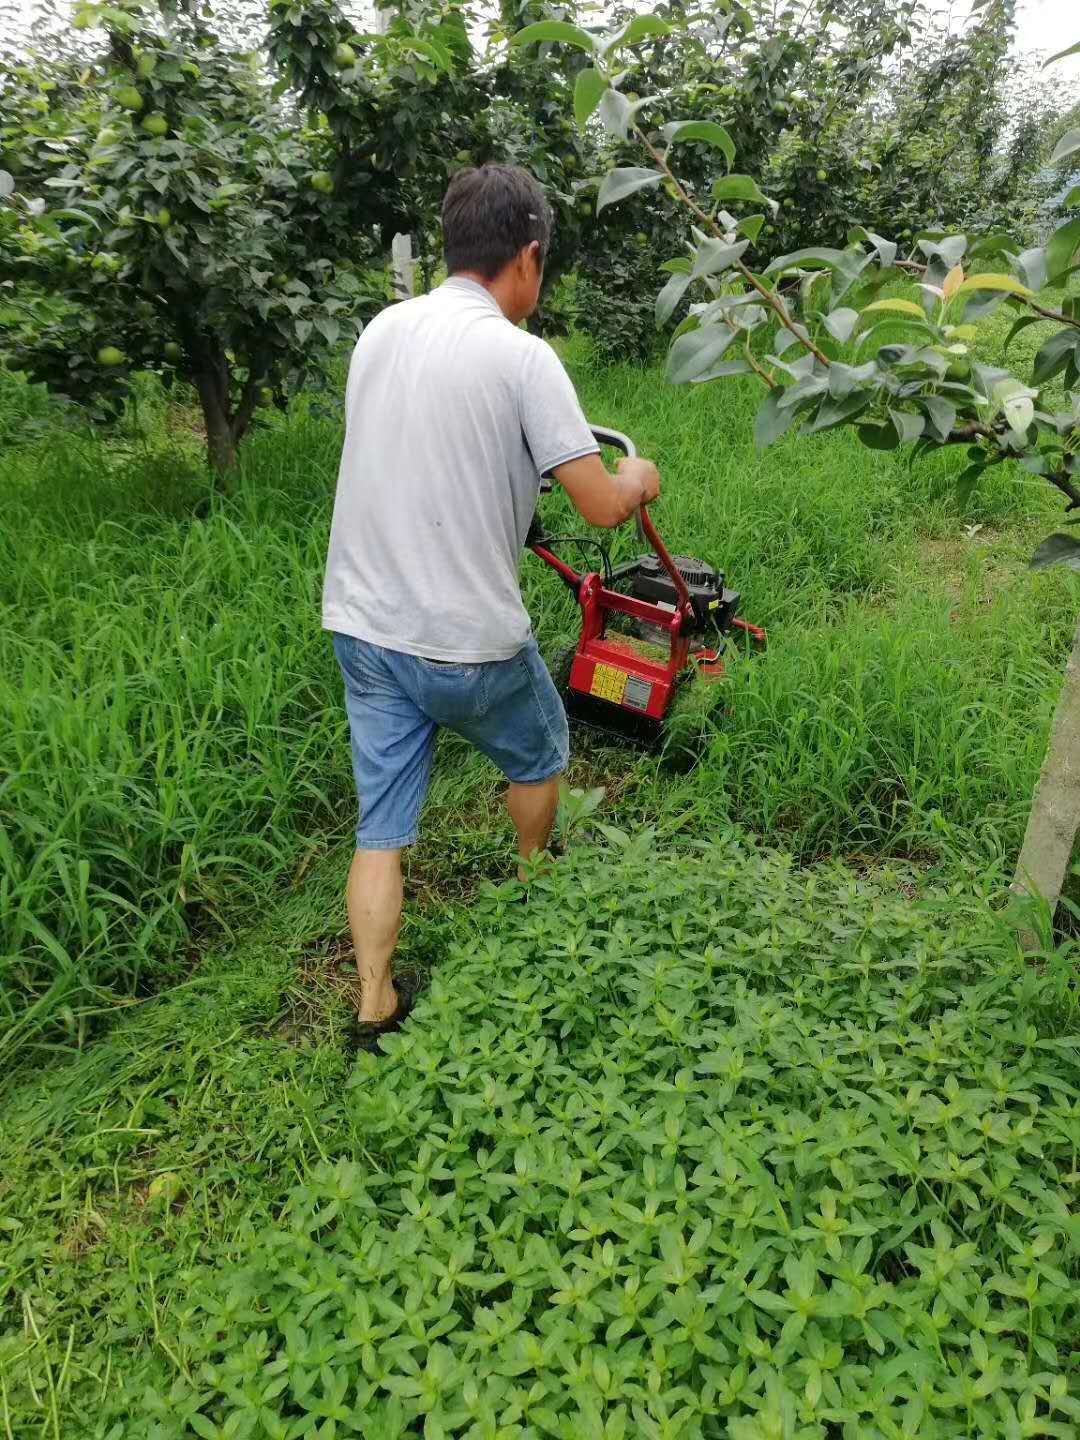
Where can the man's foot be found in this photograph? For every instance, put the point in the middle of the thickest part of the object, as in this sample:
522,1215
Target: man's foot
366,1034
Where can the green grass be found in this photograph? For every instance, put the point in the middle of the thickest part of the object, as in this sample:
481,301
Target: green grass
173,744
176,811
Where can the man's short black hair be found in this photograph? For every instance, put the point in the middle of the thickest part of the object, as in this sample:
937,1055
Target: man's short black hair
491,214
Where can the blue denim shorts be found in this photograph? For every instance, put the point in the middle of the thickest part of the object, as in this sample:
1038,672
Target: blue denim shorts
509,709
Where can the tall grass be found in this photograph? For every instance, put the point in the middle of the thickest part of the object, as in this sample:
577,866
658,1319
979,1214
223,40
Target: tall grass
171,725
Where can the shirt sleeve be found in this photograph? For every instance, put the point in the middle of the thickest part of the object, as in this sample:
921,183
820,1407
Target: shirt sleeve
552,420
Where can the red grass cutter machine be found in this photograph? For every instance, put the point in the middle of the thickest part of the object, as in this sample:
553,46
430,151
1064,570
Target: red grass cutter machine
646,625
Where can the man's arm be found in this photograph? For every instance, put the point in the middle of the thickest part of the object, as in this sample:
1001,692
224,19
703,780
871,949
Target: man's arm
607,500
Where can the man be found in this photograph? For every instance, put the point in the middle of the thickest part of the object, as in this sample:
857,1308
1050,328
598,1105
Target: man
453,414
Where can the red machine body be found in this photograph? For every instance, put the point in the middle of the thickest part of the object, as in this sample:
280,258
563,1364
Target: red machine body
611,672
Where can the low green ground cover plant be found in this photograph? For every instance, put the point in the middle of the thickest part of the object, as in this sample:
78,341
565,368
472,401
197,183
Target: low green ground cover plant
693,1143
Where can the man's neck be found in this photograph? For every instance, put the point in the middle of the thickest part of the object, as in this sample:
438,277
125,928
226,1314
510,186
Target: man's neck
497,289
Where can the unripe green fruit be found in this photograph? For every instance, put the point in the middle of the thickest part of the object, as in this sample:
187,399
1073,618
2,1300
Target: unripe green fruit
107,135
823,175
129,98
156,125
109,355
779,107
172,352
146,65
164,1189
323,181
570,163
641,238
280,281
344,56
789,203
163,218
266,395
464,157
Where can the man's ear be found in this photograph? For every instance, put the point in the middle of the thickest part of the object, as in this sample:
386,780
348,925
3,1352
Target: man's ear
528,256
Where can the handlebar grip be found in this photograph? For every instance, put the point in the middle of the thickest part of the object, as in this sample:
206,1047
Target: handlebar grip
615,438
618,441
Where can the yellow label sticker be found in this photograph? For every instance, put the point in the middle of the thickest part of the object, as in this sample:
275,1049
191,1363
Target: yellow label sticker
608,683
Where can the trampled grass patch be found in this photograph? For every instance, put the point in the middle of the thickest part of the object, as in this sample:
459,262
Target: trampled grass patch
692,1144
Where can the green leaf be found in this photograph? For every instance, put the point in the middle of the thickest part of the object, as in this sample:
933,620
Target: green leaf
558,30
966,481
1003,284
1060,249
588,92
886,249
879,436
616,112
750,227
908,426
708,132
729,367
1056,549
618,184
1021,324
1061,54
941,414
1066,148
841,324
696,352
772,420
669,297
832,413
846,264
1072,199
739,187
896,307
713,256
641,27
996,243
1054,355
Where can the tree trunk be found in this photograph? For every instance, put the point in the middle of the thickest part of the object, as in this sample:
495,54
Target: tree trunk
1055,812
220,436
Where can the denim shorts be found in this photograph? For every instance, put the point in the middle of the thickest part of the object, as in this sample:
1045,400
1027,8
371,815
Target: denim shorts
509,709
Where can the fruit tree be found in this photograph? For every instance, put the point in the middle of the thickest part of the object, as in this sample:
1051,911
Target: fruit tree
871,337
186,224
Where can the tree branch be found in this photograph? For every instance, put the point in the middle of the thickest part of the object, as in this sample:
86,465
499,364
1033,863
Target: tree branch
769,296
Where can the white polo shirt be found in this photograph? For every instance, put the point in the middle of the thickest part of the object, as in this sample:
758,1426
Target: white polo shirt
452,416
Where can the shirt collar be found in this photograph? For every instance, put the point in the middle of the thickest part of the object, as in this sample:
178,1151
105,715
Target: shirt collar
464,285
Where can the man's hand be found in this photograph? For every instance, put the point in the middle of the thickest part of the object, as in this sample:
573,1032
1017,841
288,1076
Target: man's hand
607,500
643,474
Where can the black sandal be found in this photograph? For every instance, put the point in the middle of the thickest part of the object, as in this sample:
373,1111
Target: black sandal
366,1034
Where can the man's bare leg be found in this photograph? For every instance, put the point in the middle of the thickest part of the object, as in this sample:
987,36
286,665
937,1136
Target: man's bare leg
374,899
533,809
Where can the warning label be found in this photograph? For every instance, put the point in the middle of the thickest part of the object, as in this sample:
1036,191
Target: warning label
608,683
637,693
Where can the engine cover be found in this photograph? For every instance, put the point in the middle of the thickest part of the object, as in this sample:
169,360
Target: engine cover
713,603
